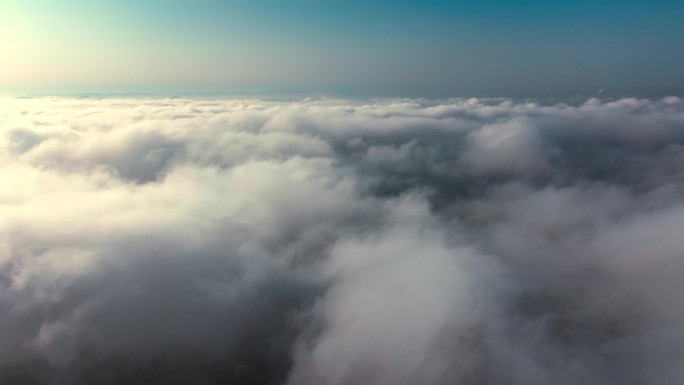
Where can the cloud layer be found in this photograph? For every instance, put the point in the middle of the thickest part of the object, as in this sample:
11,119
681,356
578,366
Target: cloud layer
335,242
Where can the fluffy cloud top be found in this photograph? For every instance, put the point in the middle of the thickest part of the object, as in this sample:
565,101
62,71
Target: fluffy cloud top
336,242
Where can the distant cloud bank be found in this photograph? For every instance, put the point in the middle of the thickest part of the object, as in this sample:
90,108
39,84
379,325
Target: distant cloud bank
339,242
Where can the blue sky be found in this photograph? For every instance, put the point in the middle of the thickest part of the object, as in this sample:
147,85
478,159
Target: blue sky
413,48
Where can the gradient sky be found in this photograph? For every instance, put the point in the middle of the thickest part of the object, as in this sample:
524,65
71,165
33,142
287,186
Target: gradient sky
428,48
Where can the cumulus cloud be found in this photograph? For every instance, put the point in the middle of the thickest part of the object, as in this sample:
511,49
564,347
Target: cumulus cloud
388,241
510,147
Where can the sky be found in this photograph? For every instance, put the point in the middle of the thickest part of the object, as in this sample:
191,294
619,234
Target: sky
380,48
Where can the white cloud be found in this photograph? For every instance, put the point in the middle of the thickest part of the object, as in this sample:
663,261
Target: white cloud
513,146
341,241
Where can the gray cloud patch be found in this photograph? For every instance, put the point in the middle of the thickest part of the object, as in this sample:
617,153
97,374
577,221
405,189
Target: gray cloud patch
338,242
